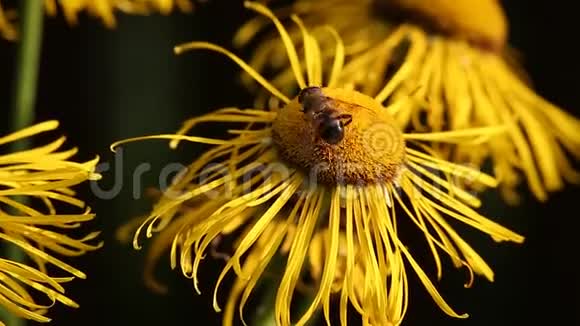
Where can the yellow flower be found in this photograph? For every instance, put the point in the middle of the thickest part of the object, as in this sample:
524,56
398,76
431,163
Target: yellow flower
7,29
453,54
103,9
321,179
35,188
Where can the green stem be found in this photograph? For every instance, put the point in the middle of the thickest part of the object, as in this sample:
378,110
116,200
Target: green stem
264,315
303,304
24,101
27,64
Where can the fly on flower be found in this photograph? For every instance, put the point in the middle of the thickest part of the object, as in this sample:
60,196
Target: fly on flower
104,10
322,182
35,189
454,54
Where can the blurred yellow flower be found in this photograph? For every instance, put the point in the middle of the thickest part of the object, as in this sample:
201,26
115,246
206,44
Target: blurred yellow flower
318,178
35,190
454,55
105,10
7,29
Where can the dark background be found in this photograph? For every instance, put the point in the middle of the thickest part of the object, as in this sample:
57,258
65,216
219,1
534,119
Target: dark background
105,85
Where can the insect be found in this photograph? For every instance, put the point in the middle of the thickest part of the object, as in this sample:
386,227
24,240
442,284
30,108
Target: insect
318,109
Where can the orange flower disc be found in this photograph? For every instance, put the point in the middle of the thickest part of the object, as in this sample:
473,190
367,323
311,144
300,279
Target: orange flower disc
372,150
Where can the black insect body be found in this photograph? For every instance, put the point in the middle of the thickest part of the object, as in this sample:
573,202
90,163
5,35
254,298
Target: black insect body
319,111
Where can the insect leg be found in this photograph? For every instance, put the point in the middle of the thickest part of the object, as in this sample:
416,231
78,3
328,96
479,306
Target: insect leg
346,119
214,249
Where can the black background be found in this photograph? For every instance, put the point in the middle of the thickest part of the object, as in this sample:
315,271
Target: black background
105,85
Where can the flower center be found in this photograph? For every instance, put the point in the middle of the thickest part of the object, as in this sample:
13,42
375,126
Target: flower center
481,22
339,136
